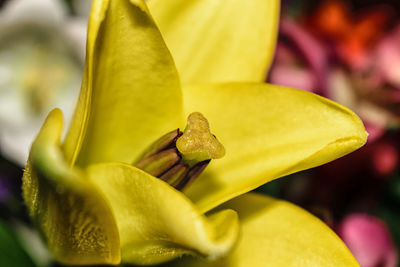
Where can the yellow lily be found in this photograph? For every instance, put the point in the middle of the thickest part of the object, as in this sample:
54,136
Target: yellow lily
94,207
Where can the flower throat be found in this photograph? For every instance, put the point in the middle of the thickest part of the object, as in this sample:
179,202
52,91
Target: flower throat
180,157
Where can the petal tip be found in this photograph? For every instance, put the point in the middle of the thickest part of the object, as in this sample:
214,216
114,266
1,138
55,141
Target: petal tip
227,225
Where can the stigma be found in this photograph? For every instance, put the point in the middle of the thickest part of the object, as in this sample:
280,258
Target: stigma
177,157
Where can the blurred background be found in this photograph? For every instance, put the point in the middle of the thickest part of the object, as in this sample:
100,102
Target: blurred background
348,51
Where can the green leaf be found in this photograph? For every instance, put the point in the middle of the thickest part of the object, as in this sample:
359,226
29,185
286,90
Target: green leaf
11,252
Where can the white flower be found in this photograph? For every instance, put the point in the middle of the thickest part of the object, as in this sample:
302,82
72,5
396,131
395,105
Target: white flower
41,59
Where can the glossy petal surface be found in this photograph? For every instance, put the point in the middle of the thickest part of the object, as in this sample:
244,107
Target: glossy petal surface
218,41
157,223
130,92
268,131
74,219
277,233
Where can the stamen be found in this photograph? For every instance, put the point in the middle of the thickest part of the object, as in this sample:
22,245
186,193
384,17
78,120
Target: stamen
174,175
193,173
158,163
166,141
179,158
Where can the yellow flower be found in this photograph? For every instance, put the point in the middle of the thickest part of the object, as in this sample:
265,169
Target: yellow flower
93,207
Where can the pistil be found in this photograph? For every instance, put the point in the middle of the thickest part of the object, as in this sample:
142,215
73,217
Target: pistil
178,158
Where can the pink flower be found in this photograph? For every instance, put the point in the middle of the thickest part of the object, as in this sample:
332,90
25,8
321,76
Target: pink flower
369,240
300,59
388,59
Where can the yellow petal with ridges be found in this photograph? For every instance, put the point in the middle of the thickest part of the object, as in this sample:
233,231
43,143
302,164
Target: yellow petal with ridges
268,132
130,80
73,217
158,223
279,234
219,41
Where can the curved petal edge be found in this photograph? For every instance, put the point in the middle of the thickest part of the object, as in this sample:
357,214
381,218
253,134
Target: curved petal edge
280,234
73,217
268,132
158,223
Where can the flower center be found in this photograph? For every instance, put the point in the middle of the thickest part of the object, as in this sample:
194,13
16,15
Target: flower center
180,157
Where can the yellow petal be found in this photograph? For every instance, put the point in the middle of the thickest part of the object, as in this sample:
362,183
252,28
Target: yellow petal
74,219
158,223
268,132
277,233
218,41
130,92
